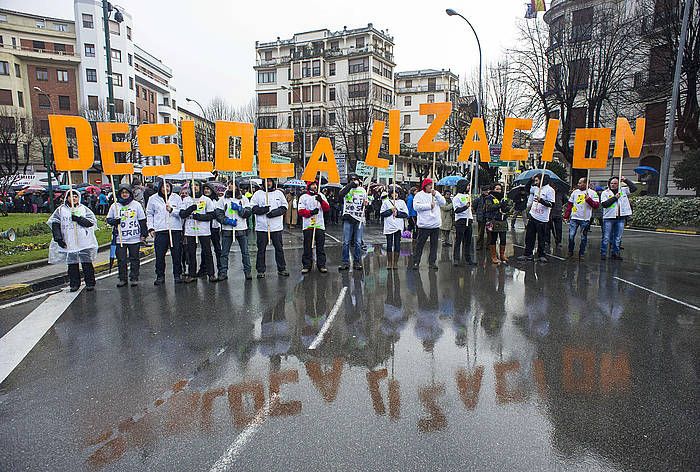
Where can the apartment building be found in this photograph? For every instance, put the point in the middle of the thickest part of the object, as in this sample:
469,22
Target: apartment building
326,83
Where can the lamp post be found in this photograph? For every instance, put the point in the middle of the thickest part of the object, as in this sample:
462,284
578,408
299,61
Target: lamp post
206,127
303,123
107,9
45,152
451,12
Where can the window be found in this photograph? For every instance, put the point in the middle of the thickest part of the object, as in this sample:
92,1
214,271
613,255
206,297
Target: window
582,24
3,18
267,122
554,78
44,127
145,93
306,94
118,106
556,31
116,55
407,138
431,98
38,45
316,93
578,117
316,118
114,27
331,94
430,118
93,102
151,97
62,75
64,102
5,97
431,84
267,99
358,90
358,65
42,74
360,42
409,83
91,75
306,69
578,74
331,68
407,119
20,99
131,83
128,33
89,50
4,68
335,45
44,102
268,55
316,68
407,101
40,24
267,77
153,118
656,122
87,21
60,27
358,115
331,118
131,108
59,48
131,59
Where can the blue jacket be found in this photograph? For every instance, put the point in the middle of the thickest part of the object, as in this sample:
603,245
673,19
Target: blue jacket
409,204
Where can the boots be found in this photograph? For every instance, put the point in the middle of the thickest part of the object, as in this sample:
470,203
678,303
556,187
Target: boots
389,260
503,257
494,257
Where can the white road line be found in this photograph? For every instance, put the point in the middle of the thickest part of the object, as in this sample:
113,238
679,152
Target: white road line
229,457
548,255
21,339
28,299
333,238
329,321
658,294
668,233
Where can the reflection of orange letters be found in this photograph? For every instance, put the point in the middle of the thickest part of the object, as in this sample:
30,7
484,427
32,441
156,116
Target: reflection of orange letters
469,385
442,110
373,378
508,152
326,382
58,127
225,130
208,405
266,137
615,372
108,148
437,420
480,145
585,135
235,399
578,370
316,165
540,379
278,407
503,393
147,148
181,412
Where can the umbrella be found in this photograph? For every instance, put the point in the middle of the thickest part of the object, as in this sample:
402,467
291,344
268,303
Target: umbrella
331,186
525,177
641,170
33,188
93,189
515,190
294,183
450,180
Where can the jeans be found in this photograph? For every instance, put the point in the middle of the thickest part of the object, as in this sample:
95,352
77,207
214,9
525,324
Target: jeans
535,229
88,273
276,237
393,242
207,266
463,241
132,252
423,235
574,225
161,243
612,234
226,242
307,260
352,231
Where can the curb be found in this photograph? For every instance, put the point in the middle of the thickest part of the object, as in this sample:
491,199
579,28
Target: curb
667,230
34,264
18,290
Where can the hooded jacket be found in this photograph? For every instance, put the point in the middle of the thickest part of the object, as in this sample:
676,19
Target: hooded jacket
461,202
157,216
269,209
129,218
311,207
73,231
232,212
428,215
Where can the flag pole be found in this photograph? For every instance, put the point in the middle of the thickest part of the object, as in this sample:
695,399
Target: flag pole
72,206
167,215
267,203
233,195
114,196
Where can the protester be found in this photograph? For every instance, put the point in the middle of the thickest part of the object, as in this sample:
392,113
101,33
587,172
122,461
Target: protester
137,191
616,208
394,211
128,216
427,204
354,203
447,219
165,227
519,206
538,220
461,203
412,215
578,213
232,212
74,243
197,211
312,207
102,204
291,217
555,226
269,210
496,210
478,208
210,191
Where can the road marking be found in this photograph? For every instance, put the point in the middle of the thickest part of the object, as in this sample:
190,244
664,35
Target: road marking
658,294
329,321
226,461
28,299
549,255
21,339
667,233
104,276
333,237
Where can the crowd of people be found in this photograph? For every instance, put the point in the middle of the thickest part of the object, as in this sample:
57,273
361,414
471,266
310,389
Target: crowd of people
197,223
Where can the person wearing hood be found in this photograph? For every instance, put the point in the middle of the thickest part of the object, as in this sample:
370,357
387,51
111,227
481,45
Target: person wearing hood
427,204
496,209
538,221
616,208
447,219
74,243
128,216
354,203
312,206
198,211
210,192
394,211
269,209
461,203
232,212
163,222
578,213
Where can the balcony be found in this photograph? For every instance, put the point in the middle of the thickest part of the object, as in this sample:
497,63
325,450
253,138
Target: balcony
426,89
31,53
165,109
275,61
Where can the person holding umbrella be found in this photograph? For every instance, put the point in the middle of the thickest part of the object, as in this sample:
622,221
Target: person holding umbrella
127,215
538,221
616,208
461,203
312,207
269,208
578,213
165,227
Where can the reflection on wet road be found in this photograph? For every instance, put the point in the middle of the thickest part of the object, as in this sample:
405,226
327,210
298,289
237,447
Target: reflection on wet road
515,368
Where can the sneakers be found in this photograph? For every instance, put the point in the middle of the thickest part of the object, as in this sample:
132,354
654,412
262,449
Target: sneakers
213,278
134,282
122,283
283,273
74,289
343,267
261,275
305,270
90,288
323,270
159,281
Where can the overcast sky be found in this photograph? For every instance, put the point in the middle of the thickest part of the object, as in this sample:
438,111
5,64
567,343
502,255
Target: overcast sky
210,44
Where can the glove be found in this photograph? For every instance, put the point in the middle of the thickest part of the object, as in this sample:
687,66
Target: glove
199,217
112,221
61,243
191,208
230,221
236,207
314,212
353,184
319,198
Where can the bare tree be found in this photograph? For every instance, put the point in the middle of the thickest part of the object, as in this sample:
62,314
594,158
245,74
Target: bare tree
16,138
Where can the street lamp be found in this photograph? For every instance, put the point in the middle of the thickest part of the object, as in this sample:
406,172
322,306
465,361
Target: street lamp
45,152
451,12
206,127
303,122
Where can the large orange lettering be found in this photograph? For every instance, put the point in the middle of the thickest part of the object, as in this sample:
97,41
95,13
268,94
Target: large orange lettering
189,150
442,110
480,145
585,135
323,147
550,140
277,406
58,125
108,148
327,383
508,153
375,142
223,161
394,128
147,148
624,136
266,137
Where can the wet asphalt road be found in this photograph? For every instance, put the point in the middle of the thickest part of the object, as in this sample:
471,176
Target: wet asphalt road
524,367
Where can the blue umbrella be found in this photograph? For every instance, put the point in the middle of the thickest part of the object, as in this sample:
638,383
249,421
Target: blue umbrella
526,176
294,183
450,180
641,170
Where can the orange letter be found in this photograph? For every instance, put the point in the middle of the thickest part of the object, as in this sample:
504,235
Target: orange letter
316,165
189,150
550,139
265,138
147,148
108,147
222,152
583,136
508,153
394,127
375,142
277,406
58,124
476,129
625,135
442,110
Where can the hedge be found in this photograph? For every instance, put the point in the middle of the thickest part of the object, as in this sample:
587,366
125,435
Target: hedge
665,212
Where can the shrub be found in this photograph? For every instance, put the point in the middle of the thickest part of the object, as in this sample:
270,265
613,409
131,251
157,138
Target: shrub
665,212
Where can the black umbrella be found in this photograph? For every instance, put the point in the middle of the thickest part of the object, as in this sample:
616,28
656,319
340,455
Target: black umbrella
513,192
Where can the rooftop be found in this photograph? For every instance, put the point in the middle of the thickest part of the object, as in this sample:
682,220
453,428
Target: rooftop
325,33
423,73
